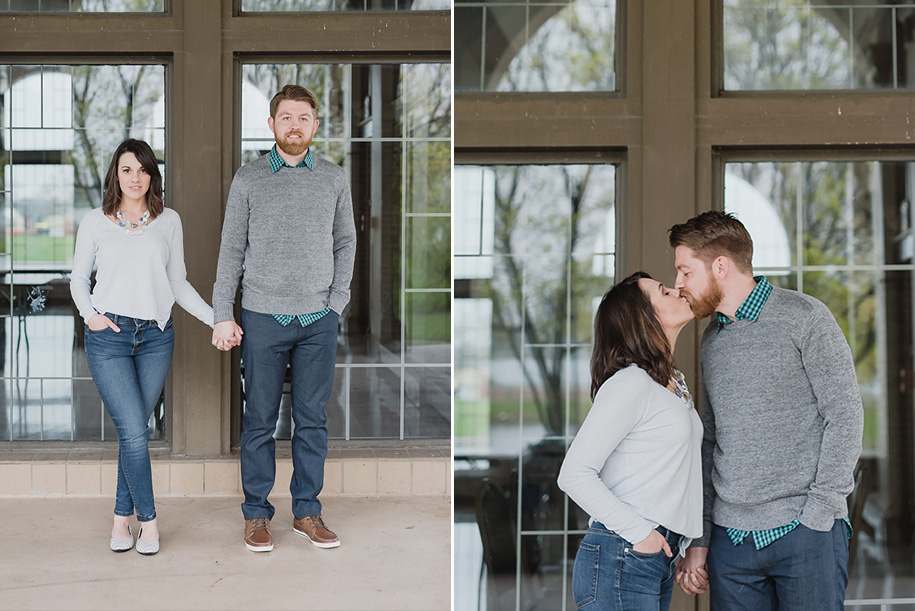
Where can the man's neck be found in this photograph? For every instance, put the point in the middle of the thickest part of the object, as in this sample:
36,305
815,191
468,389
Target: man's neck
292,161
735,295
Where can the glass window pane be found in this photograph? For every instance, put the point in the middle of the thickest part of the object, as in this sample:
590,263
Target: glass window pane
88,423
263,6
535,46
428,327
426,93
427,402
485,555
474,192
793,45
428,252
579,387
547,574
529,241
543,403
5,208
56,408
488,381
82,6
428,177
56,137
374,403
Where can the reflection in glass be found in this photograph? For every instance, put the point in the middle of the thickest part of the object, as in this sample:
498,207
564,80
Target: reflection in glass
82,6
428,252
579,387
535,46
428,327
857,255
375,404
55,141
255,6
427,393
797,45
426,98
388,127
535,252
549,572
428,177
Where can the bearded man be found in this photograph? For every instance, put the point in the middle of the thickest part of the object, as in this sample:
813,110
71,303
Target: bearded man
783,423
289,235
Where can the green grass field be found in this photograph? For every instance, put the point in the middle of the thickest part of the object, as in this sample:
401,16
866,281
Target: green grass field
40,248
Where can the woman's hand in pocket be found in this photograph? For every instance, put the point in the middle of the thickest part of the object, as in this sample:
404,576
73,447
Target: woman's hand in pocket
652,544
99,322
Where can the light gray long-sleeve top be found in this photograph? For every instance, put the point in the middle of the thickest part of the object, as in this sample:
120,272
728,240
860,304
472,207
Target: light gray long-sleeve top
139,275
635,462
291,233
783,417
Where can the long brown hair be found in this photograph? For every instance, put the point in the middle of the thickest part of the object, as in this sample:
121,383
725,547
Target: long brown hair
147,159
627,332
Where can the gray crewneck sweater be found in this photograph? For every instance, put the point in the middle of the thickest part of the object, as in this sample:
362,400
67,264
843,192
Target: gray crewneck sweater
782,415
290,236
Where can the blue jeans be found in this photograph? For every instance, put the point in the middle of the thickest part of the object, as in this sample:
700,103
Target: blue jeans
805,570
129,370
267,348
609,575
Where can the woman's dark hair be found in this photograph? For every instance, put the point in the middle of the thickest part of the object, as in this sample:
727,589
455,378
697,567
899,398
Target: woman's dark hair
147,159
627,332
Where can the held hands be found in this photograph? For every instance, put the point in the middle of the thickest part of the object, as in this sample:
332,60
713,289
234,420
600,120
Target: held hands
692,571
652,544
99,322
226,335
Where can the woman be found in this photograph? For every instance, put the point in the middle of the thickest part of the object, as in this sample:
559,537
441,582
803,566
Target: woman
635,466
137,246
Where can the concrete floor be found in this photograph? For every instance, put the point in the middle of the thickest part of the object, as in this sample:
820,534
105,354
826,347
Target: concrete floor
395,554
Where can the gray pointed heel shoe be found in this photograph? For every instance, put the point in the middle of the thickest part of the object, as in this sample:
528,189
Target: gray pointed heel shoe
147,549
121,545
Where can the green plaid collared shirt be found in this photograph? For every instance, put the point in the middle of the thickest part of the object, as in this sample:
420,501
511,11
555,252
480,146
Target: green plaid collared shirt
752,305
277,162
762,538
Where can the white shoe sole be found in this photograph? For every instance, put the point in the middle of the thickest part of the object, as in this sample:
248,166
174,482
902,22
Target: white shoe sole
259,549
315,543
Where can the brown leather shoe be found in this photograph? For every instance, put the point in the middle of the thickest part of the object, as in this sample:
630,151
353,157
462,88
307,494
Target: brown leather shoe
257,535
313,529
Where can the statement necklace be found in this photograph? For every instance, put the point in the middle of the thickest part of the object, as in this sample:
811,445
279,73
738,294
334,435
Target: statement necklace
681,389
129,226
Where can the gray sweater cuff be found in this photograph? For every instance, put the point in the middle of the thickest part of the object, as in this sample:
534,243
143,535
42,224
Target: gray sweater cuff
222,313
817,516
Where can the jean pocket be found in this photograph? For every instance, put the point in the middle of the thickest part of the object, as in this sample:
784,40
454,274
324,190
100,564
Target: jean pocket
632,551
643,573
585,574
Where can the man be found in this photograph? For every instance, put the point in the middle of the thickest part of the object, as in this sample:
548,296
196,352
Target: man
783,424
289,235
